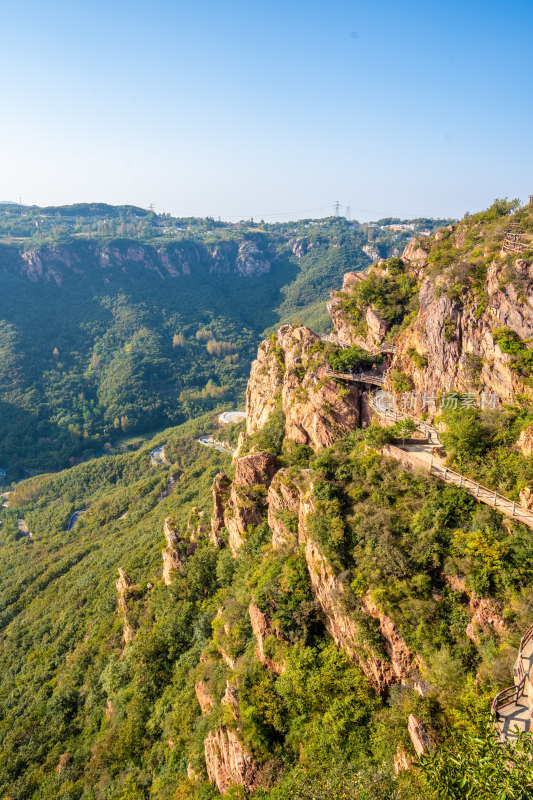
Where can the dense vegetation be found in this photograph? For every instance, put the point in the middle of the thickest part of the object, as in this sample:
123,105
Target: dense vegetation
125,724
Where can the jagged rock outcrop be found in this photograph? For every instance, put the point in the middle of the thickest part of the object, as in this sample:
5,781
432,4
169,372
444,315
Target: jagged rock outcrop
239,504
487,617
291,371
331,593
255,469
241,511
524,443
126,592
372,251
419,736
196,528
228,762
486,614
401,759
377,327
222,637
172,558
457,339
220,491
415,253
283,509
230,698
227,759
449,344
343,332
262,629
204,697
264,385
525,496
251,260
406,666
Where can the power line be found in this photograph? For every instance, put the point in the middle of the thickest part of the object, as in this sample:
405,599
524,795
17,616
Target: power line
247,215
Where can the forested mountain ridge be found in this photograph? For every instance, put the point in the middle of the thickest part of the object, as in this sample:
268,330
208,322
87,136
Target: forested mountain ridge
114,320
302,622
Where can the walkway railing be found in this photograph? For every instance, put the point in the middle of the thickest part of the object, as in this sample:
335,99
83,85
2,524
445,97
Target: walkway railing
512,694
431,434
357,377
509,507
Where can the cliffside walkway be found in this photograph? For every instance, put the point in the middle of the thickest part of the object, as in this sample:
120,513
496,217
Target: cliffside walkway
512,708
372,378
415,454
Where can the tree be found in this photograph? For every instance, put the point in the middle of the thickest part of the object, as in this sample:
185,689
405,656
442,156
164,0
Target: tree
404,428
472,767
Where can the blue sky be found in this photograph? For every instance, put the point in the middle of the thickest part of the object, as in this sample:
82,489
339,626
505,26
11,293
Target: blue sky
267,110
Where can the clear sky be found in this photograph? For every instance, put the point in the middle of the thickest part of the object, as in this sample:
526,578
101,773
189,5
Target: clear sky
267,110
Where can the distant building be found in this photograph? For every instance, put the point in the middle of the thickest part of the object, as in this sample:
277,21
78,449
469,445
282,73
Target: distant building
3,474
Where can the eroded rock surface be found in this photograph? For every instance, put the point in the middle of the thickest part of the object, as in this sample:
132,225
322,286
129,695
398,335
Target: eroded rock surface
262,628
228,762
126,592
291,372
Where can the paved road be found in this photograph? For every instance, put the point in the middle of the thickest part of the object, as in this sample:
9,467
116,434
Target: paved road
157,456
208,442
75,517
230,417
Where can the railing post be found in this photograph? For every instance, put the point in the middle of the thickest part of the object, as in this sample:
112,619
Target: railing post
495,498
445,472
514,506
461,482
477,490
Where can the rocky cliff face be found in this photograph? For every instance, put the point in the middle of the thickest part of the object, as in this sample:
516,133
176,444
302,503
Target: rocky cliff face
262,629
289,506
291,372
126,593
227,760
468,289
55,263
332,595
172,559
241,503
284,507
228,763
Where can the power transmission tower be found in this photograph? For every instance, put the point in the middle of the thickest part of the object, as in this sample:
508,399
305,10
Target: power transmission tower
151,207
337,207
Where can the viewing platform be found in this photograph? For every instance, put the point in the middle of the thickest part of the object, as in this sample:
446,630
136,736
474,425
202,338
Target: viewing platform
372,378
